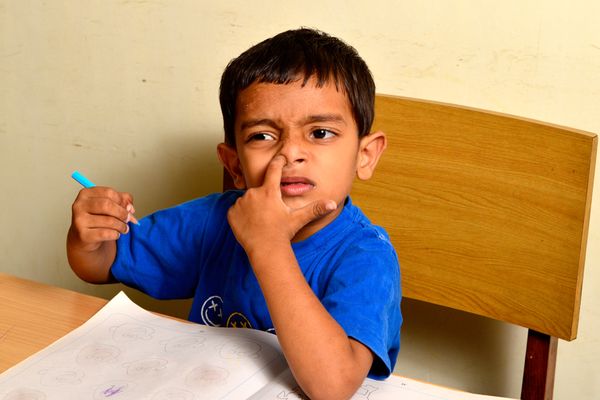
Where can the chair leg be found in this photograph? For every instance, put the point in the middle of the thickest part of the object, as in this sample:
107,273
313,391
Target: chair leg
540,364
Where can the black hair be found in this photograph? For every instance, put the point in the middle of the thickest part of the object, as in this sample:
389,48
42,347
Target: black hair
294,55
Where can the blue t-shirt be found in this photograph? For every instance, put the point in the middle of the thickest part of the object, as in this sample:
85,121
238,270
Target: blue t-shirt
190,251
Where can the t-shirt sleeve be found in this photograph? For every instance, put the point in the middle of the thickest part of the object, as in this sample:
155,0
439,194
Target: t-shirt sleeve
162,256
363,295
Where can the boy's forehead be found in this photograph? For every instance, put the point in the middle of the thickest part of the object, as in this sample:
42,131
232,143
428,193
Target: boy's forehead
303,93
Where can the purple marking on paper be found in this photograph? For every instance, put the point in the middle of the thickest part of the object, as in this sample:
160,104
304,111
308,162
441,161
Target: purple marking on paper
111,391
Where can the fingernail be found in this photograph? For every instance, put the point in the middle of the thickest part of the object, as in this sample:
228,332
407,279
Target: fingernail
132,219
330,206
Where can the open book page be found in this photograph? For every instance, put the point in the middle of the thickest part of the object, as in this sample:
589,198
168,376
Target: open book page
125,352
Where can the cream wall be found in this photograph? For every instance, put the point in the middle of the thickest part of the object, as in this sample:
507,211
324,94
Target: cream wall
126,92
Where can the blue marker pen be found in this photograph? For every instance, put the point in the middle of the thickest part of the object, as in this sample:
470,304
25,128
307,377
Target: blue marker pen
86,183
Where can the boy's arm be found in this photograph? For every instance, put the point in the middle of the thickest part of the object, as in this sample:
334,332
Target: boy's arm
324,360
326,363
99,217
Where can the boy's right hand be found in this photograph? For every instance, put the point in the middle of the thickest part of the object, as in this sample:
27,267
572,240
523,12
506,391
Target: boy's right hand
99,214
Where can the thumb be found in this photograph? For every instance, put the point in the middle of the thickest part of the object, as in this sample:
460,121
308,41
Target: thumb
315,210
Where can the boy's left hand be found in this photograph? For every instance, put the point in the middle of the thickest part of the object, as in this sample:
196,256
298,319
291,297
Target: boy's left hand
260,218
322,358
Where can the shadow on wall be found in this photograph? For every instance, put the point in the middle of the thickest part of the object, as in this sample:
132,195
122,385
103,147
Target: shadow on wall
182,167
435,337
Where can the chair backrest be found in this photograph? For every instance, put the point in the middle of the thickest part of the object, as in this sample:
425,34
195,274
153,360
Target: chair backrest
488,213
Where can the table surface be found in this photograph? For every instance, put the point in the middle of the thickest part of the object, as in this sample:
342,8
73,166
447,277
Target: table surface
33,315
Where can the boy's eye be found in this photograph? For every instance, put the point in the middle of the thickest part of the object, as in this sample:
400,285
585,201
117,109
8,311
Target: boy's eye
260,136
322,134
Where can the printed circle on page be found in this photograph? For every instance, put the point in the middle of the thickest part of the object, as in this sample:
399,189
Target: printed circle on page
236,349
206,376
173,394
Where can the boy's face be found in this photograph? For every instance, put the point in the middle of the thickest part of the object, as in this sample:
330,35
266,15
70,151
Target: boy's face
312,127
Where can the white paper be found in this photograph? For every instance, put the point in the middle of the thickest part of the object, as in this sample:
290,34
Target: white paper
126,352
393,388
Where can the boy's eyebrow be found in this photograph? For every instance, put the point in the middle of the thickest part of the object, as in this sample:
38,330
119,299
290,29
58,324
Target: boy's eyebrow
311,119
325,118
258,122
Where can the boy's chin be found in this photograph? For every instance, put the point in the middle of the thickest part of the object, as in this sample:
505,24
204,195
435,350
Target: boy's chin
296,202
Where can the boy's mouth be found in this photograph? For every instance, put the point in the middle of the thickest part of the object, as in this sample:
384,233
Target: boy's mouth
295,186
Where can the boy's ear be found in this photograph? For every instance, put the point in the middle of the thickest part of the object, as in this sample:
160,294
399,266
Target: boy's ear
230,160
370,149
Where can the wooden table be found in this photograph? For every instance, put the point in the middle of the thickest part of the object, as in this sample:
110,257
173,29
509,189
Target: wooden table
33,315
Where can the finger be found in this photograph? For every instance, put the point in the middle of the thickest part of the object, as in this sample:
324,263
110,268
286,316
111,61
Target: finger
314,210
130,216
121,198
85,221
110,223
105,206
131,208
91,231
274,172
97,235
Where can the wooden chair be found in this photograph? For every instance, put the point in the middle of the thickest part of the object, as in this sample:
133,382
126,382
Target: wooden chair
489,214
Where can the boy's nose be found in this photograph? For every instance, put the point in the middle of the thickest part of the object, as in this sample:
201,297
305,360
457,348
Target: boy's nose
293,151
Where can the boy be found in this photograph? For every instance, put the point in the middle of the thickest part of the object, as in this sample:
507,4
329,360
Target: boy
287,251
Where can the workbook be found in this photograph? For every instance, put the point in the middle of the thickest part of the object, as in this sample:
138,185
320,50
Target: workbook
126,352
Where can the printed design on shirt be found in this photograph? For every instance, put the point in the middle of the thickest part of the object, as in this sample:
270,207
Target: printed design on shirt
212,315
238,320
212,311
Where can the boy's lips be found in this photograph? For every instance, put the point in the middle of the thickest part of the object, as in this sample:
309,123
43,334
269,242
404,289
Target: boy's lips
295,186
